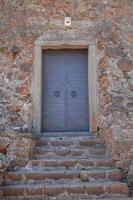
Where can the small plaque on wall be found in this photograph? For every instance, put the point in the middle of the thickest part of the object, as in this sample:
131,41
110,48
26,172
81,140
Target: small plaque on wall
67,21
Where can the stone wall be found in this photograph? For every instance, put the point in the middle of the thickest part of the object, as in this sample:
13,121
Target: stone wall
110,22
15,150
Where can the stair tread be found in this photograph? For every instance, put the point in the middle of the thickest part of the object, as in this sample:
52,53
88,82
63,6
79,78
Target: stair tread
72,159
76,158
71,197
41,157
69,138
55,187
69,141
68,183
70,162
64,151
42,169
54,148
97,170
68,149
49,134
55,174
78,167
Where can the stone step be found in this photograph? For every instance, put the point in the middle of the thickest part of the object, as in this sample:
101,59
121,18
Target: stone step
15,177
69,197
30,168
54,188
40,157
67,138
65,151
66,162
67,141
70,162
66,134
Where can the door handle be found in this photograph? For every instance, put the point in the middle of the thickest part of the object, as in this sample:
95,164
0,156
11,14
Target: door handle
73,93
57,93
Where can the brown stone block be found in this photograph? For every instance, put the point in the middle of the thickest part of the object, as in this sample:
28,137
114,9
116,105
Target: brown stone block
22,90
37,163
104,83
114,175
130,38
67,163
53,190
34,175
14,176
105,163
86,162
103,63
76,189
94,189
4,50
13,191
125,65
87,176
119,188
101,43
3,148
113,52
46,163
14,108
90,142
53,175
35,191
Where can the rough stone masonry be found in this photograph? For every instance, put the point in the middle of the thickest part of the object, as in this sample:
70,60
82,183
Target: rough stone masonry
111,23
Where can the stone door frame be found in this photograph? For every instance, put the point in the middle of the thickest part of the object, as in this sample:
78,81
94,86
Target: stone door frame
62,40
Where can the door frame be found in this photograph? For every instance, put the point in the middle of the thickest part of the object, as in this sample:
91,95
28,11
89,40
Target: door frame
64,40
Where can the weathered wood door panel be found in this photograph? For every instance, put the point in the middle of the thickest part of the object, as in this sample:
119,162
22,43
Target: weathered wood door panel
54,95
65,90
77,90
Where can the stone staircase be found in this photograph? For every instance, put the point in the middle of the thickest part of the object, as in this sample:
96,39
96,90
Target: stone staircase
69,163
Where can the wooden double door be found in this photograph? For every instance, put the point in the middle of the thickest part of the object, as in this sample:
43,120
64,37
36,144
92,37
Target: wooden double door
65,90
